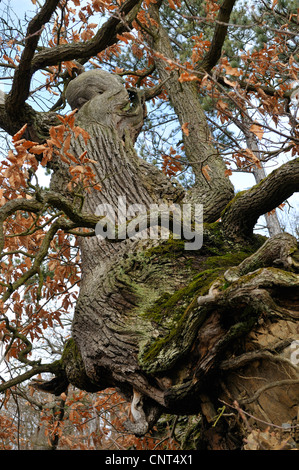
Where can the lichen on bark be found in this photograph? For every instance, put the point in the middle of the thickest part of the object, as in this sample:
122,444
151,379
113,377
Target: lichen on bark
163,324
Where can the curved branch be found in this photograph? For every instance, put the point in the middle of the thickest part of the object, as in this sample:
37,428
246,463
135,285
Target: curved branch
256,87
37,369
38,123
244,359
31,62
105,37
242,213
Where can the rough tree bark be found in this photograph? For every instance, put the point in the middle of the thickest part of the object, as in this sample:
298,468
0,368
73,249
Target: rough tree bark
177,331
259,174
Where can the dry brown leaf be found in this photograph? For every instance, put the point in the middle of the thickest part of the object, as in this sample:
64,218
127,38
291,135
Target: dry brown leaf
205,171
257,130
185,128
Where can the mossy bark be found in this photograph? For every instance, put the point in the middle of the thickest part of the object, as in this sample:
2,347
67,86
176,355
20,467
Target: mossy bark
165,325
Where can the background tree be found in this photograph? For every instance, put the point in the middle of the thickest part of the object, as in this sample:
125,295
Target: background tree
176,331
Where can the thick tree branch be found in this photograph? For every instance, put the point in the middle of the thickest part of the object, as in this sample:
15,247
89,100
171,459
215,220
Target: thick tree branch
278,250
105,37
38,122
22,78
256,88
215,191
31,62
241,214
214,53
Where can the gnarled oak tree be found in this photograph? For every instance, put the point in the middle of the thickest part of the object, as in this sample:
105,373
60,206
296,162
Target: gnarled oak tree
177,330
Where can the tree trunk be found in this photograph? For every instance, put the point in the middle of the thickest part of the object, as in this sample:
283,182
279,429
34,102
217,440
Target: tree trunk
259,174
215,190
175,330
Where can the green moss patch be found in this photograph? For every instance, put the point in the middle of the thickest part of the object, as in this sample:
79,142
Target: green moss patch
177,318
